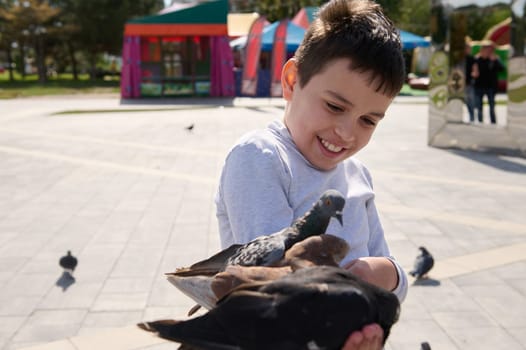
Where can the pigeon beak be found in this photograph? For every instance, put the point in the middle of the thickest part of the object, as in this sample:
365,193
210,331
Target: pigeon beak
338,216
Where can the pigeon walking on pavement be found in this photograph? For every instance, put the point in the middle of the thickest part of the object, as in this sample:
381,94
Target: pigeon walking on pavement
423,264
312,308
425,346
68,262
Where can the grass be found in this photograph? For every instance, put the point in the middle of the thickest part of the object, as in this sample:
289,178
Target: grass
408,91
61,85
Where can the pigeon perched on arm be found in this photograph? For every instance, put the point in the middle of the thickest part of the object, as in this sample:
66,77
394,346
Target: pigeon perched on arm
423,264
268,250
195,281
311,308
68,262
320,250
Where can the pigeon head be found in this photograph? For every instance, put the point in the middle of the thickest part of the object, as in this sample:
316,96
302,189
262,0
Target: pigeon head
424,250
331,204
316,220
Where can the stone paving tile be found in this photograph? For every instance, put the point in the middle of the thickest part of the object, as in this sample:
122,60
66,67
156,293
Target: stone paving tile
463,319
8,327
132,196
97,321
119,302
518,333
484,338
417,331
48,325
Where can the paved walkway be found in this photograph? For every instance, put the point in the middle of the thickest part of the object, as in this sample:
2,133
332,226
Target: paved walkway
131,195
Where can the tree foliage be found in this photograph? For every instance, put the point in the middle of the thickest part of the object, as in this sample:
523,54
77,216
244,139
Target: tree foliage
65,27
62,31
30,22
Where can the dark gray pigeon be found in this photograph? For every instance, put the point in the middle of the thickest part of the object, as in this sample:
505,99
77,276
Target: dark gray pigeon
68,262
425,346
269,250
311,308
423,264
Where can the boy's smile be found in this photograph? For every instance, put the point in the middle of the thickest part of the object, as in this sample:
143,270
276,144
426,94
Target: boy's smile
334,115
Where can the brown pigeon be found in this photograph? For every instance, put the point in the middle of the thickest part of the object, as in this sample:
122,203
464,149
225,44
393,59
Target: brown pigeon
321,250
269,250
316,250
311,308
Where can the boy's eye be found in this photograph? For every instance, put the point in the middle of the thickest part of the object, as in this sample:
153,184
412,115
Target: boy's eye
334,107
368,121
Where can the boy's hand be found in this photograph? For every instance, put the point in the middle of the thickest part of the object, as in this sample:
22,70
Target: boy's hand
379,271
369,338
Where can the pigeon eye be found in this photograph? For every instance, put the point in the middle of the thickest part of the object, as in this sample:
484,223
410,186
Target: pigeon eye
328,202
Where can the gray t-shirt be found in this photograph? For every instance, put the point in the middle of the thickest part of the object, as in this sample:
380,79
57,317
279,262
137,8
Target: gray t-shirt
266,183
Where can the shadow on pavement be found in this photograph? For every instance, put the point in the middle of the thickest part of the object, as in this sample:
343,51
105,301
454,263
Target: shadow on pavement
510,163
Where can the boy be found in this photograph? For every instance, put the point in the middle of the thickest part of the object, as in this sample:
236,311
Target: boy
338,87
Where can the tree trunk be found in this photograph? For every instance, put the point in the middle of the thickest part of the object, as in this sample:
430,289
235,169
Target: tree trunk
22,69
93,66
40,57
10,64
73,60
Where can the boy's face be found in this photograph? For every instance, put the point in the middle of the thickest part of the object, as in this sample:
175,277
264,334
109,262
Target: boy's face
334,115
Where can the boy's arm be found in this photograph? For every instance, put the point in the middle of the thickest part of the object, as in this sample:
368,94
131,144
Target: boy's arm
380,264
380,271
252,194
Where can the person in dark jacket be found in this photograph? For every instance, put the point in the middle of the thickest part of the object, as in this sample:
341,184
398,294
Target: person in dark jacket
469,90
485,70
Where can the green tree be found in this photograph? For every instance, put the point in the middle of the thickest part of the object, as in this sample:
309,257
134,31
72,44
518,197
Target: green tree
7,37
273,10
414,16
29,22
100,24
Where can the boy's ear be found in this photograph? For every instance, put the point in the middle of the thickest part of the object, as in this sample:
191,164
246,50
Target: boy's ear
289,75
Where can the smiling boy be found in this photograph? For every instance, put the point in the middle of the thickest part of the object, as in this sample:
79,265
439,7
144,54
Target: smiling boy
338,87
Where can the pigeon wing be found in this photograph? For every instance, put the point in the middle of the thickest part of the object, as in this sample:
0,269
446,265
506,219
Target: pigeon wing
418,266
262,251
210,266
427,264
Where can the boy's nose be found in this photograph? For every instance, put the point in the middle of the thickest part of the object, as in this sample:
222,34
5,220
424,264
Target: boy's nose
345,130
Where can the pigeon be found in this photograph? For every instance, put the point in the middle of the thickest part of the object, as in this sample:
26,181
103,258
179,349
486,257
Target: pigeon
68,262
425,346
195,281
423,264
311,308
267,250
324,249
321,250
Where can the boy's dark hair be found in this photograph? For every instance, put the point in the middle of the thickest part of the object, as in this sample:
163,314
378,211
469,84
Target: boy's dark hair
358,30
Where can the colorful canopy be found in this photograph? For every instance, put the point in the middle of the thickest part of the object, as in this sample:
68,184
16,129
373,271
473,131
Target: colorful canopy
208,18
294,37
305,16
410,40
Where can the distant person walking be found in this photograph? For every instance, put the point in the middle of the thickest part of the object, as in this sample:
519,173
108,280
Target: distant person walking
469,90
485,70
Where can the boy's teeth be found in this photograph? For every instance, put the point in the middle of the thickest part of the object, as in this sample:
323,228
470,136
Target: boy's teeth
330,146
